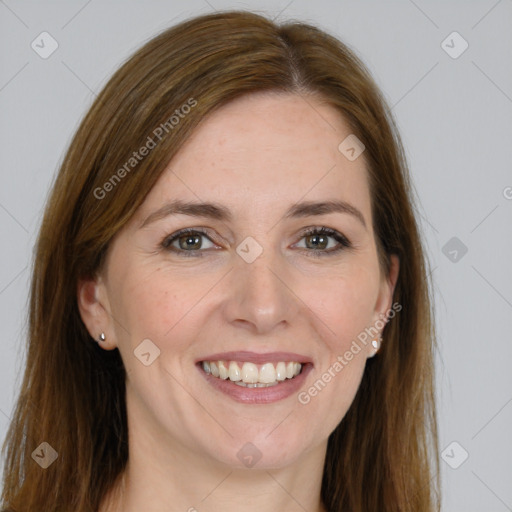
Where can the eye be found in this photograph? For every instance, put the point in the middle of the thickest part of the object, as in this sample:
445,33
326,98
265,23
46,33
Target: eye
188,241
316,241
323,241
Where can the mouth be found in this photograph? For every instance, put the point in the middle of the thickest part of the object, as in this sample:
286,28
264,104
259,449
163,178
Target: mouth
255,378
250,375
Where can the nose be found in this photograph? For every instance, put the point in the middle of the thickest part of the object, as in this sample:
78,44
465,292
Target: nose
261,297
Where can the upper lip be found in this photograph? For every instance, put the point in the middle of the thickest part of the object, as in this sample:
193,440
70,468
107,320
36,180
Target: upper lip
256,358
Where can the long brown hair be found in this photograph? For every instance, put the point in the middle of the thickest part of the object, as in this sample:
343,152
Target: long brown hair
383,455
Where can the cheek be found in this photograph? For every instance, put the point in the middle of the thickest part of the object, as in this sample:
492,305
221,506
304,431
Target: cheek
152,303
345,305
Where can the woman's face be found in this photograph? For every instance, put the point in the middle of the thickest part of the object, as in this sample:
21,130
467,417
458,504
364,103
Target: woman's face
251,285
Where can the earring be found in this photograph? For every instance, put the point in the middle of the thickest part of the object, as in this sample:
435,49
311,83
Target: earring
376,345
102,337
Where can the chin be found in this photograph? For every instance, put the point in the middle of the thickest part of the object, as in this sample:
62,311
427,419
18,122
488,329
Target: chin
264,449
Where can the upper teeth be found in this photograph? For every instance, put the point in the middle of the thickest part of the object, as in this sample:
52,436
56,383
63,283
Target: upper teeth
250,373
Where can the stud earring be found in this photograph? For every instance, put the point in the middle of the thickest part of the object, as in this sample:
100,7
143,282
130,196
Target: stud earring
102,337
376,345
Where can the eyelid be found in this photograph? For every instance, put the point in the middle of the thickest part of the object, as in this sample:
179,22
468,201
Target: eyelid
342,241
169,239
314,230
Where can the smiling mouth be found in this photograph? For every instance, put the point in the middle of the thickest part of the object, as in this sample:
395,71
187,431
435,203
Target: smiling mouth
250,375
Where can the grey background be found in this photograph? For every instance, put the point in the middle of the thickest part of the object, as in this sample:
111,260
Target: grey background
455,116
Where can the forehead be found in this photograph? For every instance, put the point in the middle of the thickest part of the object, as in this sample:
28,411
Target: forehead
264,149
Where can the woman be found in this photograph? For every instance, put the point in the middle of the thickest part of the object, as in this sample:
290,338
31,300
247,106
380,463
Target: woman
229,304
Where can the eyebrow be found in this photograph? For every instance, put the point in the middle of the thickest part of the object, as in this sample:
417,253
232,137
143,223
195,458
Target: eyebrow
219,212
310,208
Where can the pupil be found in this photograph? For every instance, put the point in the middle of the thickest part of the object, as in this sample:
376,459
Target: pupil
318,241
190,242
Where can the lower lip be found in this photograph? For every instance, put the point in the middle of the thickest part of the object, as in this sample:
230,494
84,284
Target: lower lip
266,395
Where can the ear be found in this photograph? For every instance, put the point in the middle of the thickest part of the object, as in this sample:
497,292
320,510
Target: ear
384,301
387,287
94,310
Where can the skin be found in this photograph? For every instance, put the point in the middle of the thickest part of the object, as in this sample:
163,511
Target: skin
257,156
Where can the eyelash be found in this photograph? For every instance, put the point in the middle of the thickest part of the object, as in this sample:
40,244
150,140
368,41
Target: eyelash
343,242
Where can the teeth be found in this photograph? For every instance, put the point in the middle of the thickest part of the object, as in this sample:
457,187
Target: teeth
267,374
280,371
250,375
256,385
223,371
290,370
234,372
214,369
